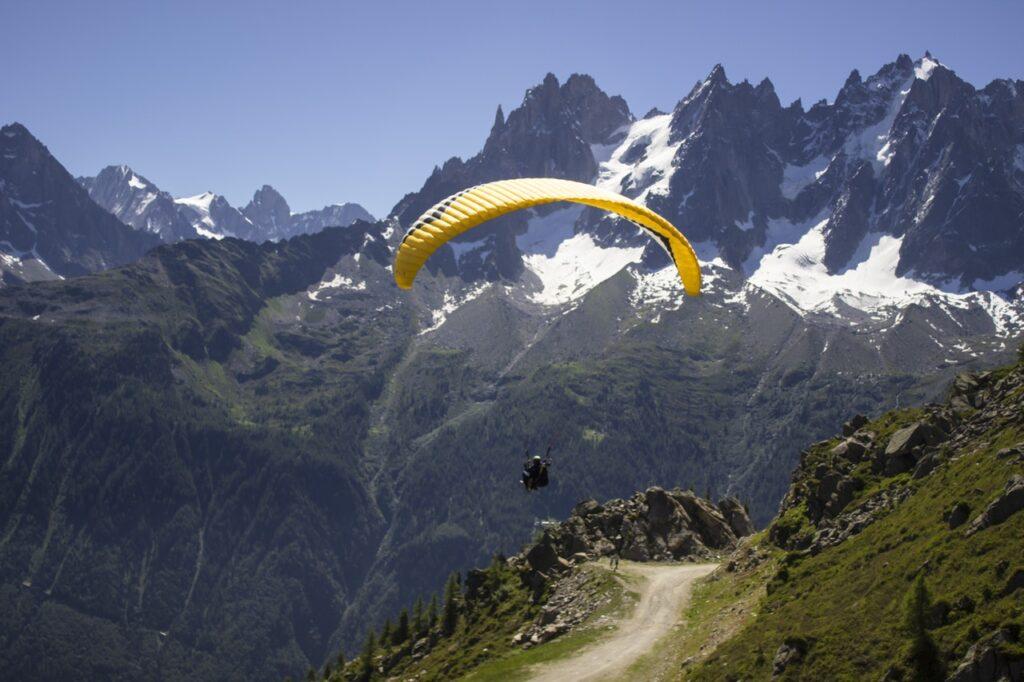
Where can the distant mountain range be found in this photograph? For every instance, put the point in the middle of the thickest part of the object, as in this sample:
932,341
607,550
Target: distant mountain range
50,228
225,455
142,205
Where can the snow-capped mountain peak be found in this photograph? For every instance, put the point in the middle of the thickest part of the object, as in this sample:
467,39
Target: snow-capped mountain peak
851,210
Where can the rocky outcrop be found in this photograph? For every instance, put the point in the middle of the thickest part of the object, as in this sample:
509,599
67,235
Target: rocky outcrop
988,659
656,525
1008,503
790,652
850,523
572,600
736,514
814,515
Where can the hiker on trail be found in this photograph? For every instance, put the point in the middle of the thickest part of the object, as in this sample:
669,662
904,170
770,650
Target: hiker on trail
535,470
616,552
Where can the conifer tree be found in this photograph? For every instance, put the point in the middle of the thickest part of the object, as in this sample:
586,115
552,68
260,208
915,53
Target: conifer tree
432,612
450,617
922,655
366,658
418,620
401,633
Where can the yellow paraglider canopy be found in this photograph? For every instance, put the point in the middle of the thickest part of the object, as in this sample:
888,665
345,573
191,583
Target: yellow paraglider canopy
471,207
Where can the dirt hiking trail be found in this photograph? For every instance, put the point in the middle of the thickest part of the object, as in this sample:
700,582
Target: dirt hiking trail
664,590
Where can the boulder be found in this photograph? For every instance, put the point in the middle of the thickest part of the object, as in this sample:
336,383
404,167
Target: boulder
707,521
684,543
661,508
845,489
547,615
543,557
791,651
960,404
990,658
1015,582
587,507
856,423
965,384
850,449
956,515
736,516
550,632
420,648
1008,503
1007,453
927,464
917,434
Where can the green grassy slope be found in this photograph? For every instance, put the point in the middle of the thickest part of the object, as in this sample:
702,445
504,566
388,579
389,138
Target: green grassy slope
847,605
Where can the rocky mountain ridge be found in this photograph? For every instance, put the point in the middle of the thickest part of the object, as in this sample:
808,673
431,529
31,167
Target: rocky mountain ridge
140,204
858,208
49,228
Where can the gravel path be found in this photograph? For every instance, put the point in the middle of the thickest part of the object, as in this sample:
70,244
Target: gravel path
664,590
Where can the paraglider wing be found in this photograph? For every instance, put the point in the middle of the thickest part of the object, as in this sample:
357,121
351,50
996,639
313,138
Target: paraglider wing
471,207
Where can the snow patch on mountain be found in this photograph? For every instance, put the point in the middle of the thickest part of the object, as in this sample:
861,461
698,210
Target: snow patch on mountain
568,265
337,282
462,248
660,288
795,273
924,67
544,233
200,203
873,143
203,222
644,156
796,178
451,303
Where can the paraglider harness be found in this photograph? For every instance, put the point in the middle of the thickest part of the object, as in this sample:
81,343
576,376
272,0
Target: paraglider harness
535,471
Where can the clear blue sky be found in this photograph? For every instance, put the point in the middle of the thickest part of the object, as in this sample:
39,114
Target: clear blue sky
347,101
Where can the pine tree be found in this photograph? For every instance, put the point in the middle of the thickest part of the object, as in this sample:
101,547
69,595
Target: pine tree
341,661
922,655
432,612
418,620
386,633
366,658
327,671
311,675
450,617
401,633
